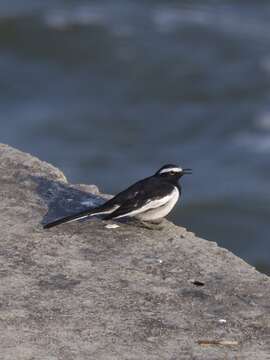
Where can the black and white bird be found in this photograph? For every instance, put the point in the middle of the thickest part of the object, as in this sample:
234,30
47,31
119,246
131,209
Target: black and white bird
148,200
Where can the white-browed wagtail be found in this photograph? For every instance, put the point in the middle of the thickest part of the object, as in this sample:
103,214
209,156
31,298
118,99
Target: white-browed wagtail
148,200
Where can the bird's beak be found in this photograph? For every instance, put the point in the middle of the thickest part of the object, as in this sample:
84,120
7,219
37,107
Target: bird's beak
187,171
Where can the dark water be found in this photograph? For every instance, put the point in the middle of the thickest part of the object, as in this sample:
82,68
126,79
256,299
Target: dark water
110,90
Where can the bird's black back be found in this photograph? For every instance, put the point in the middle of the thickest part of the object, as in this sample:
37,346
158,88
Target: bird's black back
151,187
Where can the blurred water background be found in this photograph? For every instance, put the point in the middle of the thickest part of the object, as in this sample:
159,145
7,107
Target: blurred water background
111,90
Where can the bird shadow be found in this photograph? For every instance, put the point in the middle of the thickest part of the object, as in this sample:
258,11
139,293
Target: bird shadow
63,199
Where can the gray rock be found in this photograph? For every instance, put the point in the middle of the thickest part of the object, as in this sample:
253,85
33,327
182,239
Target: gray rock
83,291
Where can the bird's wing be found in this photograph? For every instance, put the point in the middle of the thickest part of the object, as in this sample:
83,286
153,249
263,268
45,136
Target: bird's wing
149,196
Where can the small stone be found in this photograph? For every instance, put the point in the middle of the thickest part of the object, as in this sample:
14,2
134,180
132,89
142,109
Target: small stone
111,226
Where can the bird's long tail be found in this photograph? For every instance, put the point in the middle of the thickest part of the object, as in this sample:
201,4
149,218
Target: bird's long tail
107,208
70,218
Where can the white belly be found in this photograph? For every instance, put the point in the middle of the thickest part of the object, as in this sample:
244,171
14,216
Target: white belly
161,211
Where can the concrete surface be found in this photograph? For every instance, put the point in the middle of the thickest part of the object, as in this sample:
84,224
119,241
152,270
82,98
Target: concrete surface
84,291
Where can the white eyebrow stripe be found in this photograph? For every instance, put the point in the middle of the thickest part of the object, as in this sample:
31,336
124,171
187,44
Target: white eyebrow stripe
175,169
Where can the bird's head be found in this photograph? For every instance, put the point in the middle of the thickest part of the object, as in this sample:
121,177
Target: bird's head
172,173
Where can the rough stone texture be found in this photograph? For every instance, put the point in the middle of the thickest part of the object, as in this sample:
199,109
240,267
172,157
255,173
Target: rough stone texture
83,291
